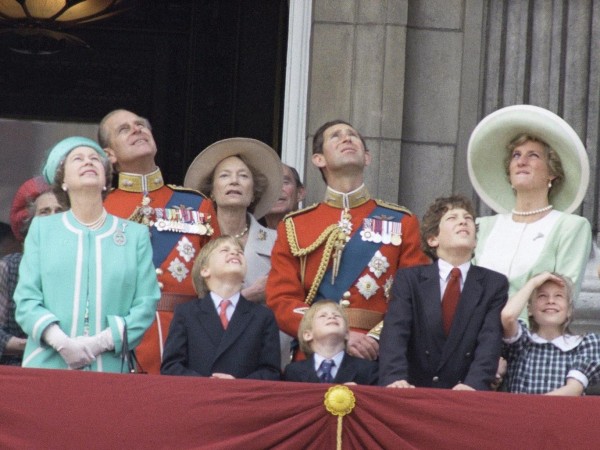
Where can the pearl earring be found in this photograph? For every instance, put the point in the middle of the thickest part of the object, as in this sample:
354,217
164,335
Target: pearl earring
65,187
549,184
104,188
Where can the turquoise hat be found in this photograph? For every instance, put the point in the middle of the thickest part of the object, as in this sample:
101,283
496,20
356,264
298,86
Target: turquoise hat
62,149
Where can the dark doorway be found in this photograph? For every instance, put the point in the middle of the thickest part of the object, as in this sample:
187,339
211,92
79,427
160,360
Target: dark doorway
200,70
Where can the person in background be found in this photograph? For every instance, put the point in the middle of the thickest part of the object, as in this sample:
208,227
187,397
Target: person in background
292,193
221,334
545,358
347,248
86,280
33,198
8,242
442,328
323,334
180,220
243,178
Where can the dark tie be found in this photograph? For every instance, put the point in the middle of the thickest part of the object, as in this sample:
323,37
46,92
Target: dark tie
450,299
325,371
223,312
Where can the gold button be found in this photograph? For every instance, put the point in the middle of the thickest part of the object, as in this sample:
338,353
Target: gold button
159,271
346,295
344,303
161,285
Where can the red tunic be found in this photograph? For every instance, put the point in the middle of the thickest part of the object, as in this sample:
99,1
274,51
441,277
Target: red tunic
174,273
285,290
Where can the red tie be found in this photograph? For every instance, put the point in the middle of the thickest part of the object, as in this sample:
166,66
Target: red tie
450,299
223,312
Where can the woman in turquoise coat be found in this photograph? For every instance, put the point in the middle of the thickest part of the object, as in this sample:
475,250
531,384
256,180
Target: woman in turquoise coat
86,276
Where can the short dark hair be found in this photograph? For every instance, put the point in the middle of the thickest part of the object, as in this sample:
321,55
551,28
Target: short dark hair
319,138
430,225
296,176
319,134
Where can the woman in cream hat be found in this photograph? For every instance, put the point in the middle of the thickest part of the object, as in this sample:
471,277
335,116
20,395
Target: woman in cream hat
87,287
530,167
243,177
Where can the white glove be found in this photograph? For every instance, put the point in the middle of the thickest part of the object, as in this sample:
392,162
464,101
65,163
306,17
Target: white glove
99,343
76,354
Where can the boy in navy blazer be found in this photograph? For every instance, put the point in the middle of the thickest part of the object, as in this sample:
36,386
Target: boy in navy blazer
431,338
323,335
221,334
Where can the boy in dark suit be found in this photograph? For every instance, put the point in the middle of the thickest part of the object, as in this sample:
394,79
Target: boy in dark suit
323,335
221,334
442,328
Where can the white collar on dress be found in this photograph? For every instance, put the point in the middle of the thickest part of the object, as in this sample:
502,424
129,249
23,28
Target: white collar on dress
566,342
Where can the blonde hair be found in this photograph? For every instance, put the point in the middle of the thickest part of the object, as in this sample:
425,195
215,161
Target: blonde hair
568,284
306,323
202,261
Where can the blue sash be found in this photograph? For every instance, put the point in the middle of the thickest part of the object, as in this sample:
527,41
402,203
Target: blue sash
164,241
356,256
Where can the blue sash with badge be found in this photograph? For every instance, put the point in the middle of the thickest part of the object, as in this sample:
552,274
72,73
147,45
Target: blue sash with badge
358,252
163,241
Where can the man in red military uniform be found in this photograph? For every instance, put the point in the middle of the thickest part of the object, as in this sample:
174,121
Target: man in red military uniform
180,220
346,248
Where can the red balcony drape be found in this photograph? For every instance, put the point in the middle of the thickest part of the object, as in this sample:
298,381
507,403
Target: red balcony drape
72,409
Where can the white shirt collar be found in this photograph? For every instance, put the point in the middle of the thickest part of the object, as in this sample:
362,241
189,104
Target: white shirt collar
337,359
445,267
216,298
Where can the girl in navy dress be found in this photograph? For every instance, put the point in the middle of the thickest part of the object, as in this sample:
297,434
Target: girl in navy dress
546,358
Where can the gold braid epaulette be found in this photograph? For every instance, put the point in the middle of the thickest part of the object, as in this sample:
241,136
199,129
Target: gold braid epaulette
328,236
186,189
393,206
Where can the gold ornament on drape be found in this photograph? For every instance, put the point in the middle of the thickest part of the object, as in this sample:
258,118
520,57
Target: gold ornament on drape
339,401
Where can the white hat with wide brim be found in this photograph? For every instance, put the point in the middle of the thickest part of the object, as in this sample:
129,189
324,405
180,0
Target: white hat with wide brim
488,148
262,157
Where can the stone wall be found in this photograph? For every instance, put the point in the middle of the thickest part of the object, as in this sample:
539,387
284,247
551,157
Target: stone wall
415,77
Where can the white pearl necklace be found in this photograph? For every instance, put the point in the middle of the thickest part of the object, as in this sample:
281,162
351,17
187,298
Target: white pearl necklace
532,213
96,224
241,235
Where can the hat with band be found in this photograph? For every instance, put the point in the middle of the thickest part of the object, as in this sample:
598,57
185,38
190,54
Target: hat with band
487,151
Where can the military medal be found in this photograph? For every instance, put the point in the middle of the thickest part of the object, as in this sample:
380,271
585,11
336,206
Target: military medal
367,286
366,233
186,249
143,213
119,236
396,233
146,210
182,220
202,229
378,264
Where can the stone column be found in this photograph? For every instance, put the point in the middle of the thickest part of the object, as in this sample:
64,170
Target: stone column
357,74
